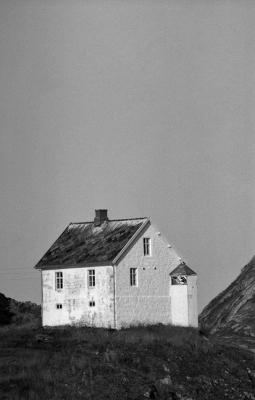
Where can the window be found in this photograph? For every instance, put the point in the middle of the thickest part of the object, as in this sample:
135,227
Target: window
59,306
179,280
59,280
92,303
92,278
147,246
133,276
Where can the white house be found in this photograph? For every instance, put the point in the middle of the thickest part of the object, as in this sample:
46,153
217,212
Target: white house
116,273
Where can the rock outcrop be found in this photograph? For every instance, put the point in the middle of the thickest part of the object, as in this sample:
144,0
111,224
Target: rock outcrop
234,308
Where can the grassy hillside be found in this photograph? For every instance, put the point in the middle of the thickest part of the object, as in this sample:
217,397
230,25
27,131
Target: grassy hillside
5,313
159,362
25,313
19,312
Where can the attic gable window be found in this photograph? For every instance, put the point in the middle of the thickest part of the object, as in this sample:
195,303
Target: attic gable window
147,246
133,277
179,280
59,280
91,278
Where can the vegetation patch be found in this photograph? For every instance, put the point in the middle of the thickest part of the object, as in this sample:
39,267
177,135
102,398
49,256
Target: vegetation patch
19,312
146,362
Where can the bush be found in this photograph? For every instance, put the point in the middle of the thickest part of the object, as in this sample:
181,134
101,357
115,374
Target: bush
19,313
5,313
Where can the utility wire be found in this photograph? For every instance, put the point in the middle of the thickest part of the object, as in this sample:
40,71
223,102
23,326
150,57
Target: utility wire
19,279
16,273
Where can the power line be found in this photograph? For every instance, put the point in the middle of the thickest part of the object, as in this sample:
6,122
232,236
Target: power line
17,266
20,279
16,273
17,270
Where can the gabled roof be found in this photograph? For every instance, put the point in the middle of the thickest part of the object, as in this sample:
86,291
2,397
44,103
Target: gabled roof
183,269
85,244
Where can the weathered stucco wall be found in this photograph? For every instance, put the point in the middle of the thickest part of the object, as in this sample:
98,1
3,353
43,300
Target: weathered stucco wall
179,299
76,295
192,300
184,303
150,301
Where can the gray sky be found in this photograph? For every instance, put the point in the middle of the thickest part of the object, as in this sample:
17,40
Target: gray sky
142,107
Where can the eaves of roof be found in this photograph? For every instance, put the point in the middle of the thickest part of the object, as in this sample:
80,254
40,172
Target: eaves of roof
66,266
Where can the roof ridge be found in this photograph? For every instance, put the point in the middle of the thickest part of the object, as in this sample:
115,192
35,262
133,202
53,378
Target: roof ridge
110,220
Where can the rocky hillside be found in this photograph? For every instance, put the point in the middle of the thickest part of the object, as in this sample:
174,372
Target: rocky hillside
18,312
234,308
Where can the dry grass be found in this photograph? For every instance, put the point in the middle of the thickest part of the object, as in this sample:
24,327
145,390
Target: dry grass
89,363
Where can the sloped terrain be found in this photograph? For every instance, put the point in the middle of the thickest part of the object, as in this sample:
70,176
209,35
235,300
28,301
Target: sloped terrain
18,312
5,313
233,309
153,362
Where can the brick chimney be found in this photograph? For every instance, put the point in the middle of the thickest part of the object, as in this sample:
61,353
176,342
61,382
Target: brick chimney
100,217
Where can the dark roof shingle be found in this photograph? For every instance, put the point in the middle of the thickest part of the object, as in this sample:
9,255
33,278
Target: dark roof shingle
84,243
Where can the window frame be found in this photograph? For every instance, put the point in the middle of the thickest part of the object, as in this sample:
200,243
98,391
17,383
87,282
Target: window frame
59,280
133,277
91,278
147,246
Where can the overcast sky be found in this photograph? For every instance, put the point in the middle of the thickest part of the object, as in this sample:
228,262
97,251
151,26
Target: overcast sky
142,107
